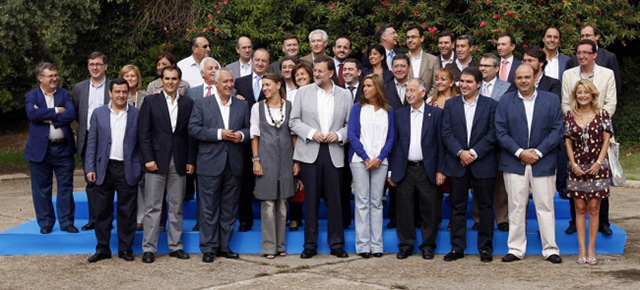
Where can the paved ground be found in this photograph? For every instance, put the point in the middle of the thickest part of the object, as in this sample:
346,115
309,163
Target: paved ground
321,272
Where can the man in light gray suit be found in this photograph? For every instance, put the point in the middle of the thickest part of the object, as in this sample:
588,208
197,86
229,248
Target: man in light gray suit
219,164
88,95
319,117
242,66
491,86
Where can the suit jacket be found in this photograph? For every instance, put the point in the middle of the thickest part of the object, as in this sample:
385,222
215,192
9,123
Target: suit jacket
549,84
500,88
563,60
213,152
457,72
512,72
431,143
308,58
365,58
428,67
387,75
482,141
512,132
234,67
99,145
38,138
606,59
157,142
304,119
244,87
80,97
604,81
392,95
358,93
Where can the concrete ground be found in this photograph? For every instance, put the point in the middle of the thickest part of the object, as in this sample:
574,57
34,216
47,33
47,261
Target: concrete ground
320,272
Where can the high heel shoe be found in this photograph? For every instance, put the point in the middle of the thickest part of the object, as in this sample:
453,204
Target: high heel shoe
592,261
581,260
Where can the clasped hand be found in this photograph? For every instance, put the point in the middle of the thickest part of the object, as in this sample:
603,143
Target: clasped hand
529,156
229,135
330,137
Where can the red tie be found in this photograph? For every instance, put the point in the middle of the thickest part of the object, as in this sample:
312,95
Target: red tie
340,77
208,91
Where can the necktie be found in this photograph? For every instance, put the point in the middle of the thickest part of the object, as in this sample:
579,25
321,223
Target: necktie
503,70
390,57
351,90
486,92
340,77
257,87
208,91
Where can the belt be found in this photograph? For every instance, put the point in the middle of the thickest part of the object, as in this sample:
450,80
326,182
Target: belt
57,141
115,161
415,163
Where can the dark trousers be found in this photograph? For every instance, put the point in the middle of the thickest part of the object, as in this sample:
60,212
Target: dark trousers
218,203
416,184
346,192
89,189
295,211
483,193
322,179
59,161
561,171
604,211
114,181
245,208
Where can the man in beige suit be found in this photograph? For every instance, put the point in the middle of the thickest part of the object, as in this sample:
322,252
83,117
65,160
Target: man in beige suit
423,65
318,40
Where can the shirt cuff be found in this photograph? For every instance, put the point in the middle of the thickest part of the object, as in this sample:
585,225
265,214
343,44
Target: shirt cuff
242,139
55,109
311,133
459,152
339,137
219,134
389,173
539,153
473,152
518,152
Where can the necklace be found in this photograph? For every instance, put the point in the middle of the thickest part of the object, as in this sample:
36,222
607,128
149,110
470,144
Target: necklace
276,123
585,132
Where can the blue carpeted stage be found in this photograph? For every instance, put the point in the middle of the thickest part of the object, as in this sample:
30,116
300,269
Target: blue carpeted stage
26,239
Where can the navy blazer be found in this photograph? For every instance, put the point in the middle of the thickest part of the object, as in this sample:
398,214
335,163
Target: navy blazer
431,143
244,87
213,153
512,72
512,132
354,135
99,145
392,95
606,59
549,84
482,141
563,60
156,140
38,138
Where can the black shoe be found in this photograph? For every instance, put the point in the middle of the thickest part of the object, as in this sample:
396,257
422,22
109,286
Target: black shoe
45,230
605,229
126,255
228,255
503,227
485,256
180,254
377,255
308,253
427,255
89,226
571,229
403,254
148,257
70,229
391,224
453,255
475,226
244,227
365,255
208,257
510,258
563,194
340,253
196,228
554,259
97,257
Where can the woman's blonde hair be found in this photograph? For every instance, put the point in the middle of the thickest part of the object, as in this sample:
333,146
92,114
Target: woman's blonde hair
130,67
573,103
453,90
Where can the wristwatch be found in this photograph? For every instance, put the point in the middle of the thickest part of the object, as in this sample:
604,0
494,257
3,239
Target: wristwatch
255,158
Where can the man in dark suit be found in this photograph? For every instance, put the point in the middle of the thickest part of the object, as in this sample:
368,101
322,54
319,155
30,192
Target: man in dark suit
446,47
341,51
464,59
50,148
219,164
556,61
351,72
319,117
423,65
528,126
250,87
243,66
416,169
508,63
387,36
113,164
168,155
470,162
88,95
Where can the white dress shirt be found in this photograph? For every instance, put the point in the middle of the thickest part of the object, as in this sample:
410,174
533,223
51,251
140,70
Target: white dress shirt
206,87
446,61
353,92
469,114
374,126
254,129
191,71
173,109
225,110
96,99
118,122
401,89
415,64
245,69
552,69
291,93
415,148
326,106
529,104
487,87
54,133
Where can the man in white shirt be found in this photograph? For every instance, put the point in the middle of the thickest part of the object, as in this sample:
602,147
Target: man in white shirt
446,45
243,66
556,61
190,66
423,65
508,64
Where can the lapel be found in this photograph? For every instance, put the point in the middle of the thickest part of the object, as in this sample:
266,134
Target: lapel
458,109
211,105
130,123
106,91
313,102
518,106
537,110
182,111
426,121
480,108
233,112
423,64
165,117
337,108
41,101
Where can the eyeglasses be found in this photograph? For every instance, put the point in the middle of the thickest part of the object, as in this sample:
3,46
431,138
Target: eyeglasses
50,76
205,46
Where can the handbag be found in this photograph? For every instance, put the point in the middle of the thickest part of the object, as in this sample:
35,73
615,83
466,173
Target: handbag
617,173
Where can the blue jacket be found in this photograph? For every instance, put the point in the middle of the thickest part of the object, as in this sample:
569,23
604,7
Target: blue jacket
354,135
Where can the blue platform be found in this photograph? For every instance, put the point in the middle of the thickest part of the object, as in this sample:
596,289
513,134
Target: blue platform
26,239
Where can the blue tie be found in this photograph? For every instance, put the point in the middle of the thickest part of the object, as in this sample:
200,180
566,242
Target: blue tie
390,57
257,87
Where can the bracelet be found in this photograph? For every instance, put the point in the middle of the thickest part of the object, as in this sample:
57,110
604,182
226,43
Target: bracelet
255,158
598,161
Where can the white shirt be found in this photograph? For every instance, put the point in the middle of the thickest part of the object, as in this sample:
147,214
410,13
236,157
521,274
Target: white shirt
553,67
191,71
389,59
402,90
118,124
538,81
460,66
96,99
415,149
173,109
487,87
245,69
469,114
224,113
291,93
446,61
54,133
254,129
214,90
415,64
325,107
353,92
529,104
374,126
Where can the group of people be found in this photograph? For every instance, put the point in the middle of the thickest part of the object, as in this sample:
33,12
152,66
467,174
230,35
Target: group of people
418,124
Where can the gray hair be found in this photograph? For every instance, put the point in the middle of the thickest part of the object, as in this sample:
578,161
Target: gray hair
325,36
421,84
44,65
216,76
493,57
204,60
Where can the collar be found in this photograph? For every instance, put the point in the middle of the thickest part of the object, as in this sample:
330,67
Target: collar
245,65
219,100
539,79
492,82
126,108
447,60
192,61
104,80
421,109
399,84
533,98
461,65
475,100
330,92
167,97
555,57
254,75
419,55
45,94
510,59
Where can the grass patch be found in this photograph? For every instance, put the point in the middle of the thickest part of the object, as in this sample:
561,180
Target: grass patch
630,161
12,159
